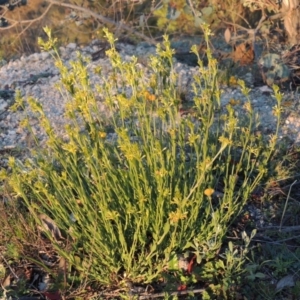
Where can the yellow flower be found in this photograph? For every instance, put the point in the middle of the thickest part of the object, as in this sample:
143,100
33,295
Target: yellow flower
233,80
102,134
248,107
111,215
161,172
224,140
149,96
172,132
11,162
175,216
208,192
70,147
3,174
234,102
277,111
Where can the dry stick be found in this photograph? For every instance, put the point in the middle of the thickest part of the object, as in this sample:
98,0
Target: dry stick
239,16
8,265
5,8
29,22
279,190
82,9
104,20
127,28
179,293
285,205
21,43
252,32
159,295
277,242
280,228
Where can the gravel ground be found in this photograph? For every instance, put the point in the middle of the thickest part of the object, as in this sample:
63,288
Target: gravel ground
36,76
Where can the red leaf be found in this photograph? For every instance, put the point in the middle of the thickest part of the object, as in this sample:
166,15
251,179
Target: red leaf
191,264
182,287
52,296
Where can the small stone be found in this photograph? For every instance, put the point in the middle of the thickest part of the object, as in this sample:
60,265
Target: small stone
71,46
3,106
11,132
33,57
44,55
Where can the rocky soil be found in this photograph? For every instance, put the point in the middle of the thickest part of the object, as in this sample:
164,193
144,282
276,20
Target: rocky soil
36,76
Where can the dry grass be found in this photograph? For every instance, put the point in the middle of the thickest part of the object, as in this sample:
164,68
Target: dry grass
17,41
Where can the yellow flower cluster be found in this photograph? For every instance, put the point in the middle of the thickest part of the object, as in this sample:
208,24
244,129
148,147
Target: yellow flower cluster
149,96
176,216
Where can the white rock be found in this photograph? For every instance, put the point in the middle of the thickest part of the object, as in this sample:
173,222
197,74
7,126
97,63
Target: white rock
3,106
71,46
33,57
11,132
44,55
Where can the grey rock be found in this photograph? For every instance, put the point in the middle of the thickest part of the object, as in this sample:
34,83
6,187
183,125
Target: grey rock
44,55
273,69
71,46
17,73
33,57
3,106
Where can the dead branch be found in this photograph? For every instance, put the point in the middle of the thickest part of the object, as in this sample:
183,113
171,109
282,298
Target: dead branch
157,295
253,31
82,9
29,22
280,229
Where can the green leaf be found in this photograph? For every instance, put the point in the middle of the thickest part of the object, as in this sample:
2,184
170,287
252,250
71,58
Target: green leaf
253,233
198,21
230,246
260,275
207,10
220,264
166,231
173,262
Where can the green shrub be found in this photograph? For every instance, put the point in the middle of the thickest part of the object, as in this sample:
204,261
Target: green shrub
139,184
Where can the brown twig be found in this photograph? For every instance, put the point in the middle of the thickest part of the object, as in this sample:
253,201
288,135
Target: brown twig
253,31
82,9
281,229
8,265
104,20
177,293
158,295
29,22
